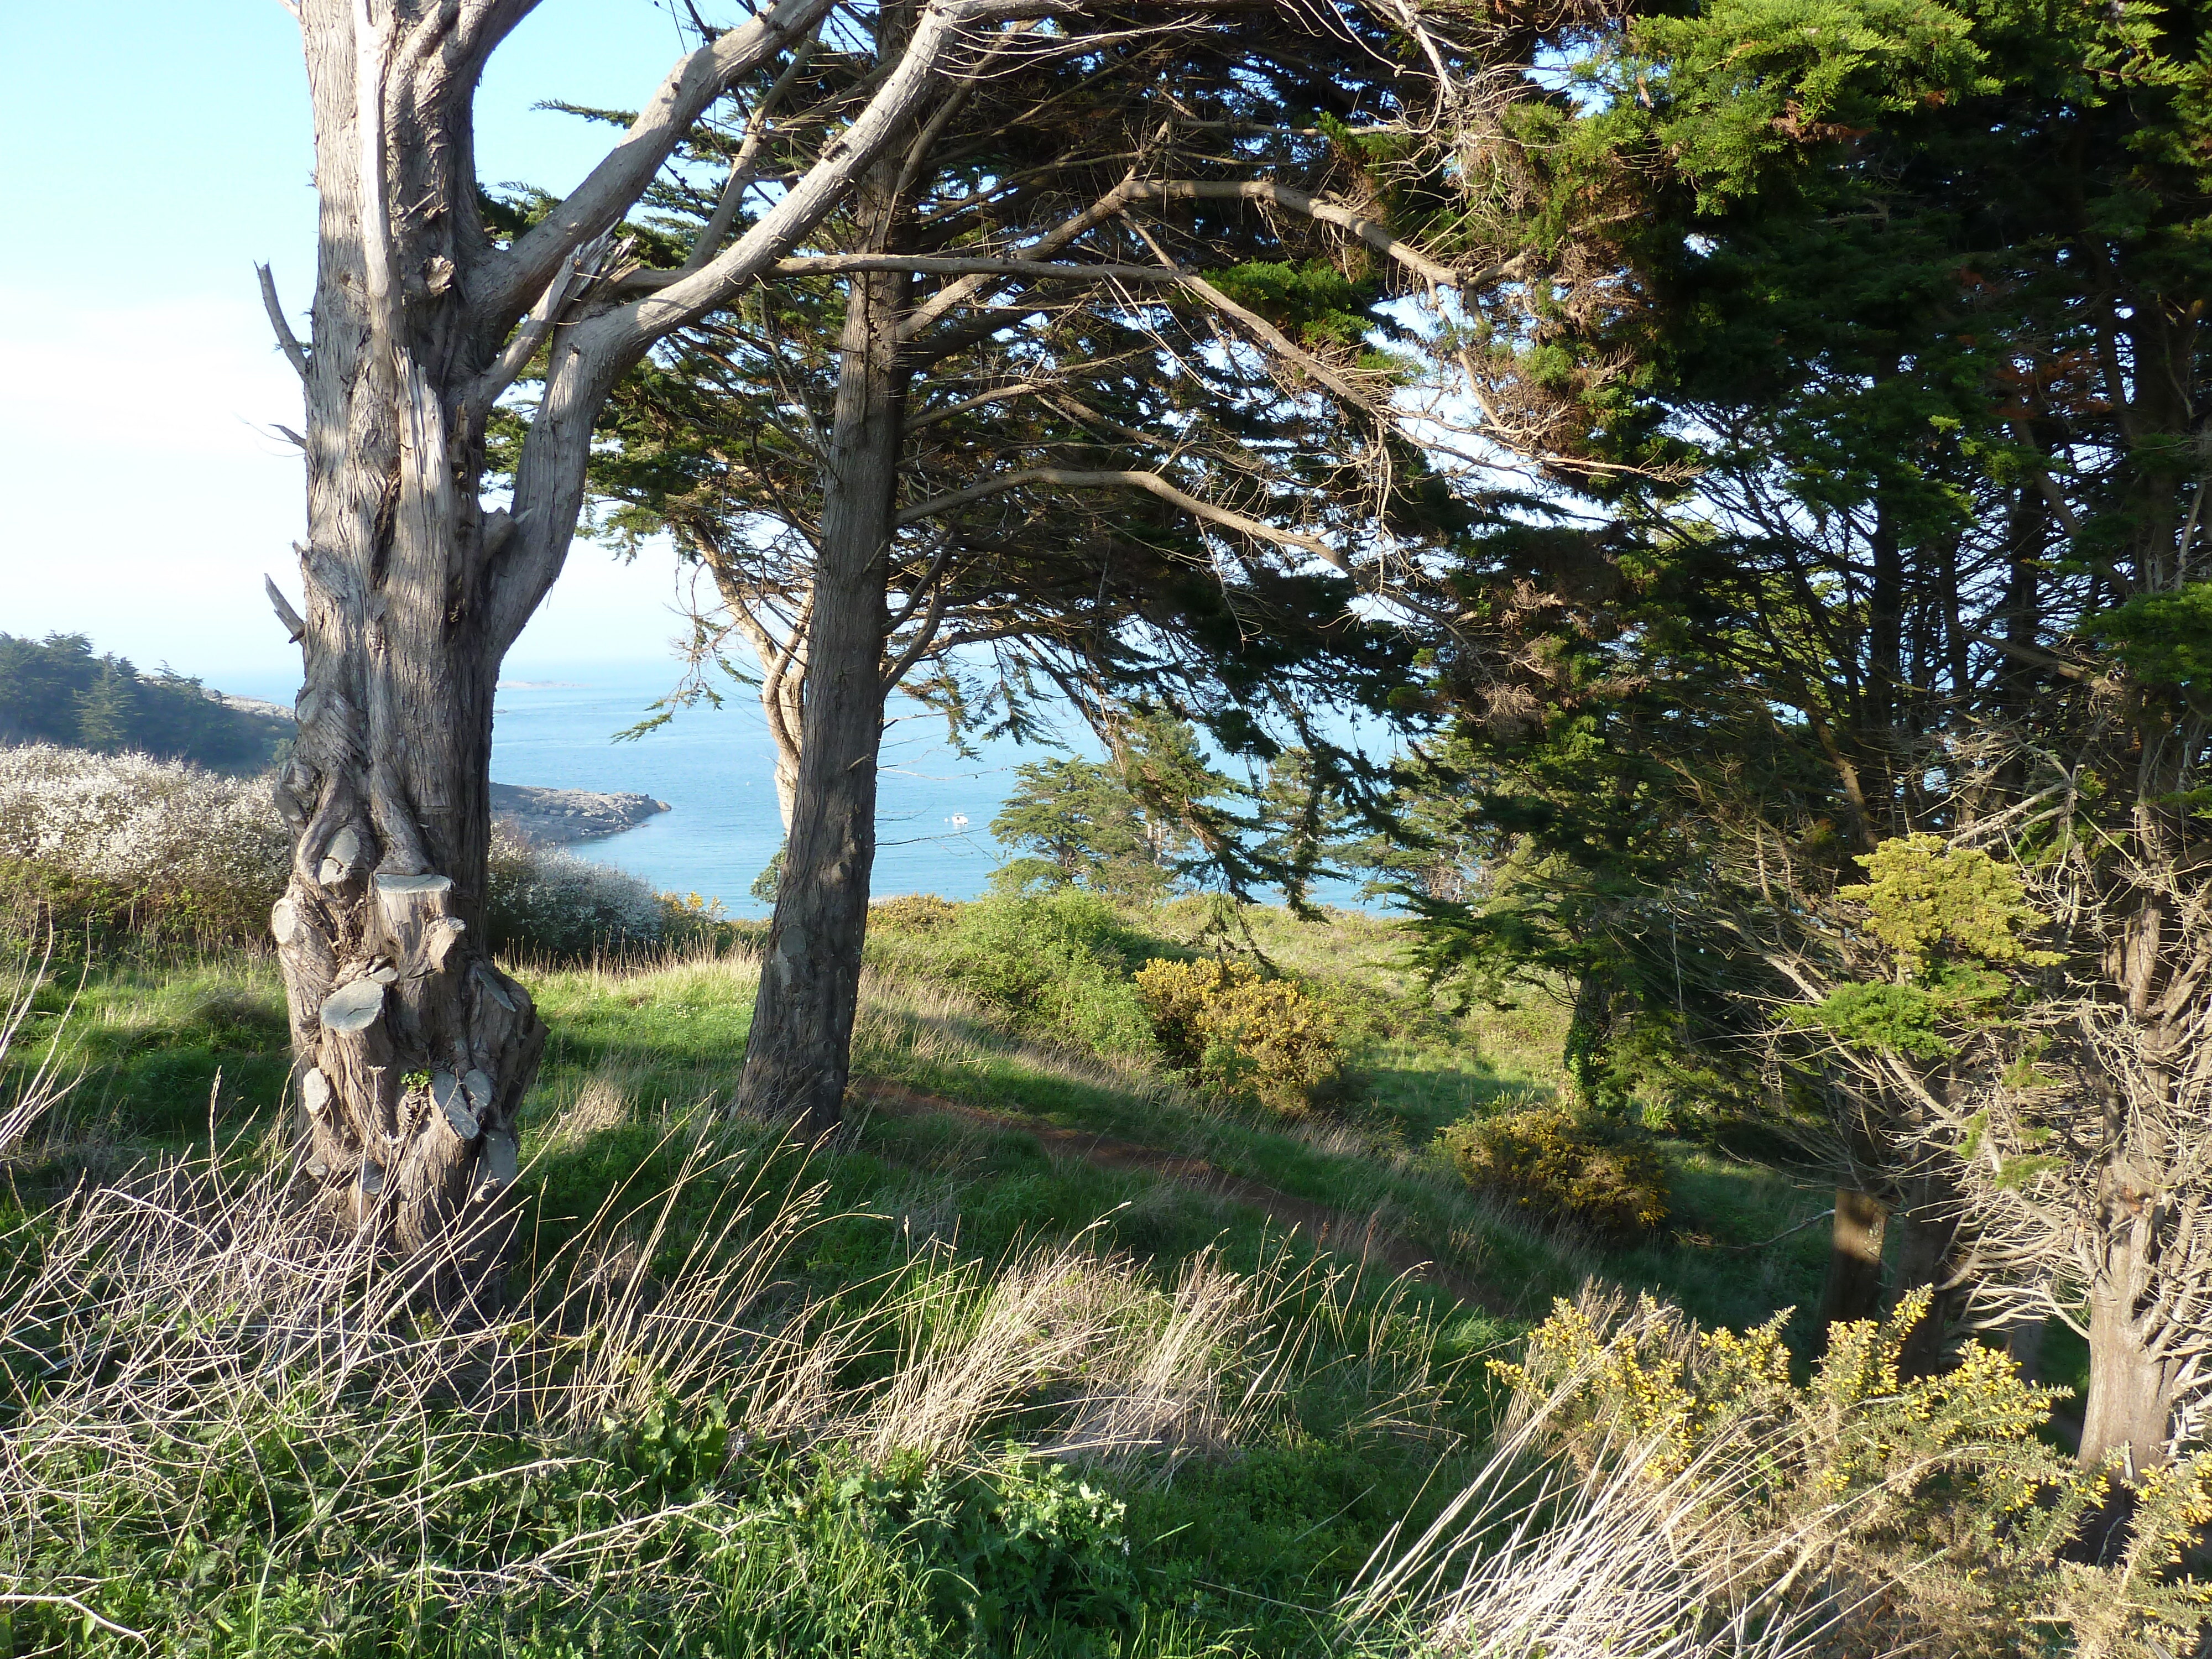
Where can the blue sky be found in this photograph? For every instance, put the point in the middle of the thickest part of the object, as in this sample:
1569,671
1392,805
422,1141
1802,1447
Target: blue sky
150,154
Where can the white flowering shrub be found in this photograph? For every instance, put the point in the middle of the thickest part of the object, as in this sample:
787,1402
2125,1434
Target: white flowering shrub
541,899
125,843
140,843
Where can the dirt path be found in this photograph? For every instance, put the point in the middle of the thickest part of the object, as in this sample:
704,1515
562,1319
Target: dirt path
1333,1230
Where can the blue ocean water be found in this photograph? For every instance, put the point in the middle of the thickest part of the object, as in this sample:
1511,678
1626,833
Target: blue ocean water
554,725
716,769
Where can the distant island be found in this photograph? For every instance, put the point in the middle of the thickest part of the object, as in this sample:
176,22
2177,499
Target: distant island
540,685
58,691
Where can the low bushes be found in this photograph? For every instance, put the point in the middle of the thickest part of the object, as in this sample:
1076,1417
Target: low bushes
1235,1035
120,844
1882,1512
543,901
1057,964
1600,1172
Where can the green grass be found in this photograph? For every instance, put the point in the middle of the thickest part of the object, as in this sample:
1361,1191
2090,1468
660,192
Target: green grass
1244,1554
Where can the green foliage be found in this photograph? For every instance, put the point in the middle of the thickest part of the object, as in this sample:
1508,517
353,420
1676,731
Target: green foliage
912,912
1020,1550
1904,1019
1056,965
1561,1163
1744,84
770,883
1082,827
1240,1037
55,691
1931,902
1937,1489
2164,639
1115,829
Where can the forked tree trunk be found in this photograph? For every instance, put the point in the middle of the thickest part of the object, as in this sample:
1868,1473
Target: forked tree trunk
799,1053
1853,1290
415,1048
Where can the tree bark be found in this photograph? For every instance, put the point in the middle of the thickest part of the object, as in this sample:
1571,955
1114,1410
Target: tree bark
1928,1245
2134,1379
414,1050
2131,1389
1853,1290
798,1056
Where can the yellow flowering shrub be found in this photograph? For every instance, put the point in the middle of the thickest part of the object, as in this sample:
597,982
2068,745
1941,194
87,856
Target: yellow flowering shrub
1927,1506
1238,1036
1600,1172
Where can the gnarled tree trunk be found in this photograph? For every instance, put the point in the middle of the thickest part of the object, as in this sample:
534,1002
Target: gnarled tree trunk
415,1050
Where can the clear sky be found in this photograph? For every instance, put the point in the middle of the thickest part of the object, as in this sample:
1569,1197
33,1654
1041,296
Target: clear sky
151,152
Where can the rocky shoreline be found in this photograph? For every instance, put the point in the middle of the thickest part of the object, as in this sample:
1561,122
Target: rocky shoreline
550,817
554,817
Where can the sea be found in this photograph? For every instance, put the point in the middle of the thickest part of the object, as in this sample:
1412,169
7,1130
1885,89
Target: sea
559,726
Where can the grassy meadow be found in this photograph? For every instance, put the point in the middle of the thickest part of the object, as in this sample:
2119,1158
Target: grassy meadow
953,1383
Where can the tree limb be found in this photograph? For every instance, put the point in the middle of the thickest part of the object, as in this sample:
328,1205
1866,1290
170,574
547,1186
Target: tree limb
1373,232
1150,482
294,352
597,204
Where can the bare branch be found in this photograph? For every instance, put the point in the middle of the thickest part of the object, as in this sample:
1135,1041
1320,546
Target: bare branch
745,168
294,352
597,204
1373,232
294,624
1150,482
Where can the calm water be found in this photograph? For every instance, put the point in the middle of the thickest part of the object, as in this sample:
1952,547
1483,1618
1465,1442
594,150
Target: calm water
716,769
554,727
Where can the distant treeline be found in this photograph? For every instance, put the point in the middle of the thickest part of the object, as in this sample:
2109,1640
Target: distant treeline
56,690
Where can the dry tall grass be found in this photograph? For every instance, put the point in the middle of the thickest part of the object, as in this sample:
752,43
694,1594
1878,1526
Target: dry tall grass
189,1328
33,1094
1537,1559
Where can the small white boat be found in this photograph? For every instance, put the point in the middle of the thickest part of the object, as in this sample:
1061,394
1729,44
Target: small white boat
959,820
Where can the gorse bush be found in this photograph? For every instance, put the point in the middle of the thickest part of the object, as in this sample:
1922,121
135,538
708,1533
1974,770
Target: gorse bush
1554,1161
1923,1512
122,840
1240,1037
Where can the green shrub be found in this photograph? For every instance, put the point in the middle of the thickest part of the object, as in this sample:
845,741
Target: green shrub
1238,1036
913,913
1944,1522
1603,1173
1056,963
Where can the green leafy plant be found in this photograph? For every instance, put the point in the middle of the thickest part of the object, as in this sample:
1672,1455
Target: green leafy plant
1597,1171
1238,1036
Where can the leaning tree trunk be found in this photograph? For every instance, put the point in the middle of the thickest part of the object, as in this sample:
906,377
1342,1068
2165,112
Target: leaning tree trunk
414,1050
799,1053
